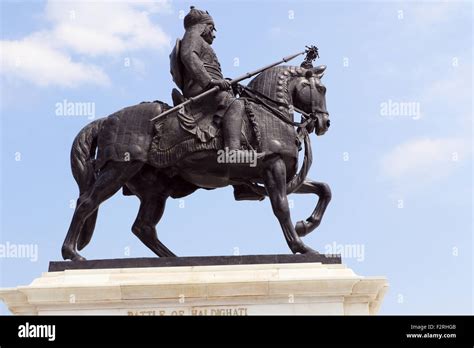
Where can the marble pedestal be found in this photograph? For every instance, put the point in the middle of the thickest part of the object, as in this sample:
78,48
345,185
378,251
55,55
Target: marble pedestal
307,288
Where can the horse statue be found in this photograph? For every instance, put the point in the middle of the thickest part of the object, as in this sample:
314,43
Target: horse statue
181,152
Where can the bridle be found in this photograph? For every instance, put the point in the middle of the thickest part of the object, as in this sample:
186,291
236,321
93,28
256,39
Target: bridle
314,109
263,100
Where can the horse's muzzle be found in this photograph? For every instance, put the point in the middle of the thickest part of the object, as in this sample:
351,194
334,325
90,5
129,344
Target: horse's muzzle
322,123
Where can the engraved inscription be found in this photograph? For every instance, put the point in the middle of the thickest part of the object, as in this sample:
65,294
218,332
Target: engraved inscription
220,311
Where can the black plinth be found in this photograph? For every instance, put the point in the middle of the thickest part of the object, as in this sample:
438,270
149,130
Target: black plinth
56,266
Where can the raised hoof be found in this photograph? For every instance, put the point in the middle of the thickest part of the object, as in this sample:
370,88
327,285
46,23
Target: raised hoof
301,228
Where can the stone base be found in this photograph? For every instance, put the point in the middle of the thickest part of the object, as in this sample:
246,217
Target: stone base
248,289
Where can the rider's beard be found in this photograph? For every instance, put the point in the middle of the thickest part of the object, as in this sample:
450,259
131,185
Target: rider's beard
208,36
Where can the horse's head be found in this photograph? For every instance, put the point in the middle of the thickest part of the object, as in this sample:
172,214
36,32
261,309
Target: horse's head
309,94
299,87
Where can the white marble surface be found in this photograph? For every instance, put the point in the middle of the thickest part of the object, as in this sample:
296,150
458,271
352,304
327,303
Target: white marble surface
270,289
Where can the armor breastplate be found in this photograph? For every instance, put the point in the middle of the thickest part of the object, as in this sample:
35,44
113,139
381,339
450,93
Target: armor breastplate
210,62
204,64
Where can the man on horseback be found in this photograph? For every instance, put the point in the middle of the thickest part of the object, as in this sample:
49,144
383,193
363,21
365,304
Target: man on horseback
157,161
195,69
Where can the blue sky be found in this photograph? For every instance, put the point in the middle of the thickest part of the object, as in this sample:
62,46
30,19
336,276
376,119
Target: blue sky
401,181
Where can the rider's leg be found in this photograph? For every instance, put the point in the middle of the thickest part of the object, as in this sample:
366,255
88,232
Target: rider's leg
232,125
222,99
232,128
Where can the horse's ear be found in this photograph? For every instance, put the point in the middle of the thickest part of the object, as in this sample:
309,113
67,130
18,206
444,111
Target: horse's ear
319,70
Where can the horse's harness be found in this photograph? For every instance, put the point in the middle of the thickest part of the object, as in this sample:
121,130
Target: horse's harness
267,102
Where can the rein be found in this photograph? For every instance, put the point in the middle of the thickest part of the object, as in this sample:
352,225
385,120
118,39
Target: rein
263,100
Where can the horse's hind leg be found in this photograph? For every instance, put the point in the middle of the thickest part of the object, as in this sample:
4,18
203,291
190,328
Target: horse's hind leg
324,193
153,189
144,227
111,178
275,183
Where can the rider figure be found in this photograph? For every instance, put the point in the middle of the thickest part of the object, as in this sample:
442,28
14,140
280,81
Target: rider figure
202,71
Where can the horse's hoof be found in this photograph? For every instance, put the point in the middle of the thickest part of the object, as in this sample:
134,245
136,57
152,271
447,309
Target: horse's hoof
301,228
308,250
78,257
311,251
69,254
298,247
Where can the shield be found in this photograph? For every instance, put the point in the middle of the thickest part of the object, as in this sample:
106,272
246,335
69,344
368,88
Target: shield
176,66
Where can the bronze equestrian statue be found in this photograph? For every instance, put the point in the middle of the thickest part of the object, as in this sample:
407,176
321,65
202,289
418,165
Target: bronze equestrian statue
156,151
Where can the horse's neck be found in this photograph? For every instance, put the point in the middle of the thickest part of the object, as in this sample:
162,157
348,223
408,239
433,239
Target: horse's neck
291,89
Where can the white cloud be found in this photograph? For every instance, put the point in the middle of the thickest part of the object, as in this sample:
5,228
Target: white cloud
424,159
84,30
33,61
96,28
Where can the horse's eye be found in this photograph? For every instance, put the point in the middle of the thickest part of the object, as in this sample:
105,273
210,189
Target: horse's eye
321,89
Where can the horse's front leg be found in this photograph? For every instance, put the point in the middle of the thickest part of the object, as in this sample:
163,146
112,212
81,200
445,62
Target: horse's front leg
274,176
323,192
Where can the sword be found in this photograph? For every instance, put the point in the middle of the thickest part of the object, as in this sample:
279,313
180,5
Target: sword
311,51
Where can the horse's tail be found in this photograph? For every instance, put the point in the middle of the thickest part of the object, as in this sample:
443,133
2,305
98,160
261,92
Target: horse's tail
82,165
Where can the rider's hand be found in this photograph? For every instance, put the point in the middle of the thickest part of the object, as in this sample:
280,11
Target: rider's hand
222,84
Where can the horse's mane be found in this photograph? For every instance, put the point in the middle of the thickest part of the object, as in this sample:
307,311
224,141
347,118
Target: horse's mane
274,82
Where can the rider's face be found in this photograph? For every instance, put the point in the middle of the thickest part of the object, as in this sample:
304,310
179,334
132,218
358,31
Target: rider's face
208,34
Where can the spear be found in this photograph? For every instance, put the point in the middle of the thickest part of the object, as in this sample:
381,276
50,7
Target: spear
310,51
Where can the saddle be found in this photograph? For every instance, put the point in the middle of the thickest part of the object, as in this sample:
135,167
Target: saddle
189,130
